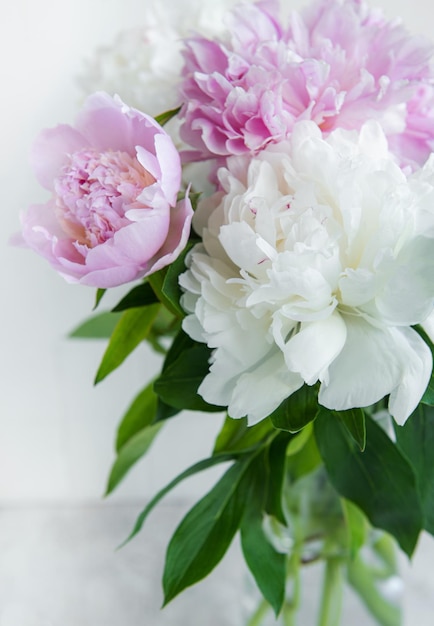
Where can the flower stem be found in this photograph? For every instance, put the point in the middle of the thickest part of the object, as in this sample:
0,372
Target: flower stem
331,601
362,578
291,606
259,614
292,600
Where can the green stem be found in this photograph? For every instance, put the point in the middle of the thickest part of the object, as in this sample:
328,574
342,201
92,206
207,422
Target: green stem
259,614
385,548
362,578
331,601
292,601
291,606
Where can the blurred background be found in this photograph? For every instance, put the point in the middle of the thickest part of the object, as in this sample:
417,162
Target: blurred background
58,564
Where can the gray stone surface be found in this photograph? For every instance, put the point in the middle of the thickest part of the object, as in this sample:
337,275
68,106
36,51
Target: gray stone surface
60,567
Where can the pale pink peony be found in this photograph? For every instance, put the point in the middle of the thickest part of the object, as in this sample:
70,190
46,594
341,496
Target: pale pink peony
337,63
113,216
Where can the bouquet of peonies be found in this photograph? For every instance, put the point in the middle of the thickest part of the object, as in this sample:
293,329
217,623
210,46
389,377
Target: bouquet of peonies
266,178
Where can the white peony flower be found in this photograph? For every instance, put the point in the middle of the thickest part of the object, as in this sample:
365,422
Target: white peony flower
143,65
317,258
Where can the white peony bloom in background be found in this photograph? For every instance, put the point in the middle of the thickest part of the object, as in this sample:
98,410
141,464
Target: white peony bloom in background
143,65
317,258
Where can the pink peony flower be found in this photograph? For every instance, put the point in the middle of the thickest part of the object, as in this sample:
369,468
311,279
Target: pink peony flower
113,216
337,63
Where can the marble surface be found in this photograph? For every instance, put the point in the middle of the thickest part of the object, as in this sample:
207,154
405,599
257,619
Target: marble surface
59,567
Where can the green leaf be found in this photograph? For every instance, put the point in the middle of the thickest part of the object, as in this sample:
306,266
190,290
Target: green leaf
277,467
379,480
130,453
141,413
267,566
297,410
179,381
205,533
306,459
98,326
181,343
354,422
165,411
170,287
165,117
165,326
428,396
357,526
98,297
136,433
194,198
141,295
194,469
236,435
131,329
416,441
300,439
165,283
156,280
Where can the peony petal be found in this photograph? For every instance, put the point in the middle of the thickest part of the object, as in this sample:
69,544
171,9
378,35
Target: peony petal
370,366
259,392
418,368
106,127
110,124
218,386
358,286
241,245
428,326
177,237
109,277
256,393
133,244
148,161
408,295
314,347
50,152
170,164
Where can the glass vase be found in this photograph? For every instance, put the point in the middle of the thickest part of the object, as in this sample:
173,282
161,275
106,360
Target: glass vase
340,571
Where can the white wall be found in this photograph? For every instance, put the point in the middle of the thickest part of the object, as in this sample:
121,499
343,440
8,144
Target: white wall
56,430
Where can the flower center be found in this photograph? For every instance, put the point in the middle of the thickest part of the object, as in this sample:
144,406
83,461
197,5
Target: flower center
95,190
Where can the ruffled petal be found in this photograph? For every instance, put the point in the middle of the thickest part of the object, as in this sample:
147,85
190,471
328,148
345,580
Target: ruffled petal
51,150
315,346
418,368
259,392
376,362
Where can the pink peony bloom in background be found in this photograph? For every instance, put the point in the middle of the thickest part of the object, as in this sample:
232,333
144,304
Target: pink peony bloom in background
337,63
113,216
